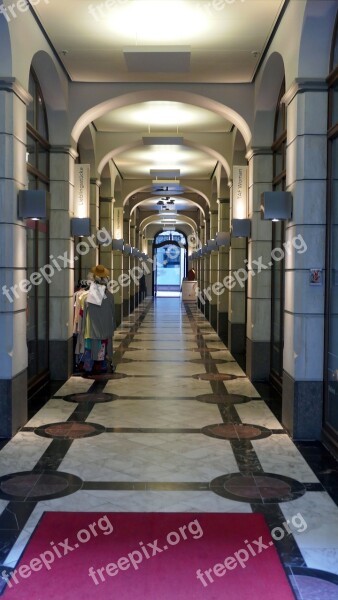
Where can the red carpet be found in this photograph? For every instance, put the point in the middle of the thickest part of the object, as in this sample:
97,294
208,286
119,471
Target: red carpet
137,556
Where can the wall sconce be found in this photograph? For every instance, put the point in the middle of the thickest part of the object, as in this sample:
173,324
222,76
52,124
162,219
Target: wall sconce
241,228
80,227
118,245
276,206
211,245
32,204
223,238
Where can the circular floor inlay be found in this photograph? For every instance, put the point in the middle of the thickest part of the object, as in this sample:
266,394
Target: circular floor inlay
90,397
209,361
314,584
214,377
127,349
233,431
106,376
227,399
262,488
38,486
125,361
71,430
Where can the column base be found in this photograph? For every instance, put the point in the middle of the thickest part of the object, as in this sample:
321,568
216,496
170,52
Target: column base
13,405
126,310
236,337
61,359
118,314
257,360
302,408
213,316
222,326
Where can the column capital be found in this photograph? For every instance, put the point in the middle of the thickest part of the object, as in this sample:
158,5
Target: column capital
223,200
256,151
11,84
301,85
94,181
64,150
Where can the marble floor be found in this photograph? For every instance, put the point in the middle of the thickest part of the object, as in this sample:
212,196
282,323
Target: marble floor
178,427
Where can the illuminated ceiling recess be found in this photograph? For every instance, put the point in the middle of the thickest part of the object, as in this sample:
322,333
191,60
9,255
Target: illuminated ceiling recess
225,39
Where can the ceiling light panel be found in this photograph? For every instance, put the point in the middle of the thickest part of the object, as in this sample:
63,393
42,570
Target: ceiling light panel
151,21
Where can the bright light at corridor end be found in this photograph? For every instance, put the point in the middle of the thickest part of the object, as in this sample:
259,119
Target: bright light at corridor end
150,21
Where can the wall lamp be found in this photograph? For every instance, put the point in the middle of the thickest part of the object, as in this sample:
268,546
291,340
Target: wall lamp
212,245
118,245
223,238
276,206
127,249
241,228
32,204
80,227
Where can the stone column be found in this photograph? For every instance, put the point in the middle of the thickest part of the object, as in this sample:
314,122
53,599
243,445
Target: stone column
223,271
106,222
237,298
259,280
213,270
134,289
61,288
13,176
91,258
127,266
305,235
201,302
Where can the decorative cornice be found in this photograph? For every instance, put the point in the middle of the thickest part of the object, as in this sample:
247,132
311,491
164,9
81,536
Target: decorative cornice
11,84
94,181
301,85
223,200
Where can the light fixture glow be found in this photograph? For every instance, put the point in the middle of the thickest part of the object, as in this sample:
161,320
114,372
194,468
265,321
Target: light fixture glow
151,21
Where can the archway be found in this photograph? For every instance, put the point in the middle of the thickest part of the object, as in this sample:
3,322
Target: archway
170,261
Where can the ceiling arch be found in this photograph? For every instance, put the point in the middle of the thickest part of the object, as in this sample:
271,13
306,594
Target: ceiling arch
227,112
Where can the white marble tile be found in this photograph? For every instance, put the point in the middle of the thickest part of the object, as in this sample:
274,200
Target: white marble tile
162,369
223,354
54,411
320,514
215,345
243,387
324,559
124,457
258,413
74,385
22,453
278,454
3,504
163,355
318,542
163,388
177,414
162,344
231,368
